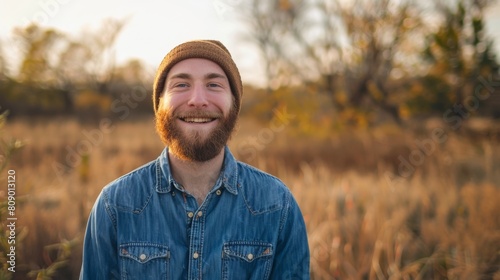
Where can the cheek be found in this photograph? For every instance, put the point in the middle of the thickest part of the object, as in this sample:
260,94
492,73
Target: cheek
168,102
227,103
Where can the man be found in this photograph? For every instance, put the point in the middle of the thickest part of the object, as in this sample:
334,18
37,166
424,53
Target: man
196,212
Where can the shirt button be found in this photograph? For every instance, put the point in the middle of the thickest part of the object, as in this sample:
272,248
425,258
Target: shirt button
190,214
218,192
200,214
196,255
250,256
142,257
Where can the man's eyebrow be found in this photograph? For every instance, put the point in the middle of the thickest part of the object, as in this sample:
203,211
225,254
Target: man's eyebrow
180,76
215,76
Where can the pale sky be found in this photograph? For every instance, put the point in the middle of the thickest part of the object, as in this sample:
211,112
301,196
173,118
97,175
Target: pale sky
155,26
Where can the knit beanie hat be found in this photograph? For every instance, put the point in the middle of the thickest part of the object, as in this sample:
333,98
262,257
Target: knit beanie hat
207,49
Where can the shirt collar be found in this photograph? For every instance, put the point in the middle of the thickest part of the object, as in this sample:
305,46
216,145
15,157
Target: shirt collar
228,177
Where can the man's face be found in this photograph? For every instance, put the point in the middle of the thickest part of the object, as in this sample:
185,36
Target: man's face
196,112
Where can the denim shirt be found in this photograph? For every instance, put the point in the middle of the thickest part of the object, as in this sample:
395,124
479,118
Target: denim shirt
145,226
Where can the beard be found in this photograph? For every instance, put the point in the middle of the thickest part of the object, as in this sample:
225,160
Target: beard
193,146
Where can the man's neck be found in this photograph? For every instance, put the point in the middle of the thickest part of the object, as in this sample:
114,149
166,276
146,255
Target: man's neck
197,178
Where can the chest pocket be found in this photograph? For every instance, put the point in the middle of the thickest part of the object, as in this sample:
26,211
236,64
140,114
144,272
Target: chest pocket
246,260
144,261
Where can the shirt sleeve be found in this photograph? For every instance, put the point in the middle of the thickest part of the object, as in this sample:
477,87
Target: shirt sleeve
100,256
292,251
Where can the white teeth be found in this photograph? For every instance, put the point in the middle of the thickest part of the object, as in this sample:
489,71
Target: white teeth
197,120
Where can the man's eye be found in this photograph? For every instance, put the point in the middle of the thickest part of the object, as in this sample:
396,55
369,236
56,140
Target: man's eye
181,85
213,85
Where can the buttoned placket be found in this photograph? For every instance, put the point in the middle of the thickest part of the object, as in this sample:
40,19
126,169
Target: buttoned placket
196,220
196,216
194,226
196,245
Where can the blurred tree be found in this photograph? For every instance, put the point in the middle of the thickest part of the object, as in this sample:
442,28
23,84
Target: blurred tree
132,72
100,55
383,41
298,40
345,49
37,45
70,73
54,67
364,53
36,83
459,53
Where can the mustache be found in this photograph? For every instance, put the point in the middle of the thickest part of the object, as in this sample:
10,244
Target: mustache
198,114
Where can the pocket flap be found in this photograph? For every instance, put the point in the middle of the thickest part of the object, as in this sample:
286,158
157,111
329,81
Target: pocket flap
248,251
144,252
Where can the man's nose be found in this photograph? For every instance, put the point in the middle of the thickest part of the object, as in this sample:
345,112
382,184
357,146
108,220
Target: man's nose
198,96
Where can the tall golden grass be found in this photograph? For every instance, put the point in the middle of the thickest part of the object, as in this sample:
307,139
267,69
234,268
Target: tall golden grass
365,218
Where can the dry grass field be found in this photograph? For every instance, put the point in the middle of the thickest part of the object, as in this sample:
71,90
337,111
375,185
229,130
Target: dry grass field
385,203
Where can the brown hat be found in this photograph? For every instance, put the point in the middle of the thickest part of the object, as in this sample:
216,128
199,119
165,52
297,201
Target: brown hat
207,49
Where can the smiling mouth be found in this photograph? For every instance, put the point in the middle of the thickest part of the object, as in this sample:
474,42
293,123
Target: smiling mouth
197,120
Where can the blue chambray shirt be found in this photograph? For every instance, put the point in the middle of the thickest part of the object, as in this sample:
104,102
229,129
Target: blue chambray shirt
145,226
